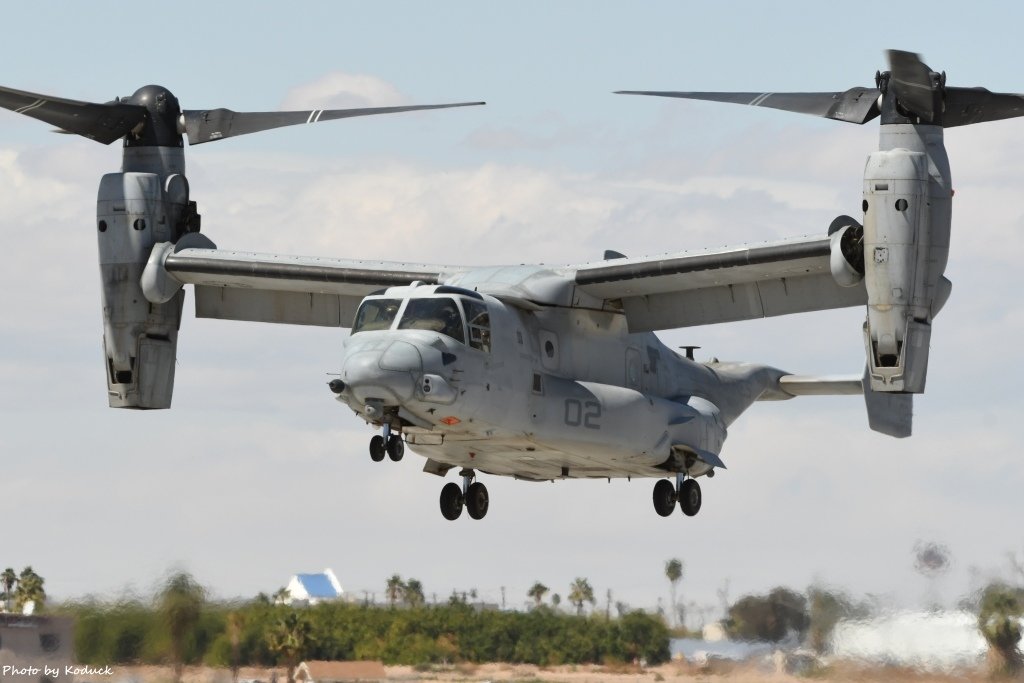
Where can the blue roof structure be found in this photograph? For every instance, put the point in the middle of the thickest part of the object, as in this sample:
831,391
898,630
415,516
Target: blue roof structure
317,585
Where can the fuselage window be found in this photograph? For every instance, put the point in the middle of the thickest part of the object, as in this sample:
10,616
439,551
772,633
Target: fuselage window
376,314
439,315
479,322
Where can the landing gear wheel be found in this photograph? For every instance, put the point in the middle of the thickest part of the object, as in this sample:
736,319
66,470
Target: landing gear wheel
377,448
664,497
689,497
396,447
477,500
451,501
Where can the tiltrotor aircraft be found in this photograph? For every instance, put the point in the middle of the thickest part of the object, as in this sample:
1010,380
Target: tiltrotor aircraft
539,372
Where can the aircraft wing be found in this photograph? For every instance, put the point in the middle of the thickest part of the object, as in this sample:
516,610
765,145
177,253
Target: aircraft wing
720,285
233,285
659,292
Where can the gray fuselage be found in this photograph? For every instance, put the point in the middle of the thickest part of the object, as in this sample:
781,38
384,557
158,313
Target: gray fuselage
540,394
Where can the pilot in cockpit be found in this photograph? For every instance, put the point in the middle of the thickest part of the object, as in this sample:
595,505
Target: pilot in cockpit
452,322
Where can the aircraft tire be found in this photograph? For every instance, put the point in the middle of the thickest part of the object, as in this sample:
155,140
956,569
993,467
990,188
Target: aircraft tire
396,447
477,500
451,501
690,497
377,449
664,497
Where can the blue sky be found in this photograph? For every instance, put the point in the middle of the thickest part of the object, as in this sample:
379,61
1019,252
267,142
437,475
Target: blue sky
256,473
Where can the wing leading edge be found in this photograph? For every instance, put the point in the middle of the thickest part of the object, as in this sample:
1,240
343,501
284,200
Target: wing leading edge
231,285
720,285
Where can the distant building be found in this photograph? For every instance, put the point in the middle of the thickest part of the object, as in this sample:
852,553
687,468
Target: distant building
714,632
339,672
928,641
312,589
37,648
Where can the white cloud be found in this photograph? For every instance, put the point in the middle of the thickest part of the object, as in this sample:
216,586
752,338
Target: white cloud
340,90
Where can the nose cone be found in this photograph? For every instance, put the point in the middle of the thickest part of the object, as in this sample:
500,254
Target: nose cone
390,376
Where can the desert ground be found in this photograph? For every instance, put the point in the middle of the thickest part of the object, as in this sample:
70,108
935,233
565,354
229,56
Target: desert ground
675,672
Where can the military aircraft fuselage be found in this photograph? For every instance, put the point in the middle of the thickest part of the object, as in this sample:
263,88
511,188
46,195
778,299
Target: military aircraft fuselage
539,392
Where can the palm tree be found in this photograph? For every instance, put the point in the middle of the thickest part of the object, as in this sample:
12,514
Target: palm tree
394,589
180,604
413,592
30,589
290,638
579,592
537,591
674,572
999,622
235,622
9,580
282,596
556,600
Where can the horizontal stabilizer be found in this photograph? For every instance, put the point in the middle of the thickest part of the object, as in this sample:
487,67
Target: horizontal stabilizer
828,385
888,413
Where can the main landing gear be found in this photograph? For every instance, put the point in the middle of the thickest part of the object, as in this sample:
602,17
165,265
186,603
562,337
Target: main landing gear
471,495
685,491
388,444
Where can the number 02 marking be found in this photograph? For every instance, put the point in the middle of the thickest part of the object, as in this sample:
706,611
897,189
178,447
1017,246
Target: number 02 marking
578,413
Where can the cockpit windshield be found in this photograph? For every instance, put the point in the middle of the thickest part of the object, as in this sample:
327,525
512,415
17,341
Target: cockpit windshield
376,314
439,314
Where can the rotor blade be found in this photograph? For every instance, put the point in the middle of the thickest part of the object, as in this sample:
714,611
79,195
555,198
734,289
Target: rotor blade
856,105
100,122
911,81
217,124
977,105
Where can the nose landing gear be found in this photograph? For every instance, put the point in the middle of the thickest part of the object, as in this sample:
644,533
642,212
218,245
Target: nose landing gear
395,447
686,492
471,495
477,500
387,443
377,448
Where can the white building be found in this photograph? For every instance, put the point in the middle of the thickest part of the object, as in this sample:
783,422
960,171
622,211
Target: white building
924,640
311,589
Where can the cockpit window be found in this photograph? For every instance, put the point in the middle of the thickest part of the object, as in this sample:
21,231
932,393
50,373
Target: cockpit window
479,323
439,314
376,314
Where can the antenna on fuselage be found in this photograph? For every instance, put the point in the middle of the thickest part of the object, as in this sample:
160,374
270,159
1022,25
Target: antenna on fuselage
689,350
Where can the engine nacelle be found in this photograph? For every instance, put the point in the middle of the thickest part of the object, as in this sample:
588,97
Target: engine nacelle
134,212
906,244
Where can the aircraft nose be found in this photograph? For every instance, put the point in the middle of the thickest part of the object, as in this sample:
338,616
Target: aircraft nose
401,356
389,376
